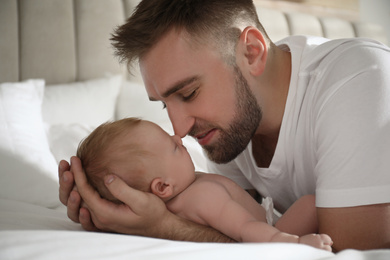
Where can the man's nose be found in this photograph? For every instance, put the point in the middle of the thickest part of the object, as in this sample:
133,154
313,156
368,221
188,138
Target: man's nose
181,120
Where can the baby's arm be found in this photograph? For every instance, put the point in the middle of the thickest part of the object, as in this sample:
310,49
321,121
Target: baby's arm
211,204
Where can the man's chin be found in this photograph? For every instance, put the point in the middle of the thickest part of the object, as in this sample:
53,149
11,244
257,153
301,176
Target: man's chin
218,157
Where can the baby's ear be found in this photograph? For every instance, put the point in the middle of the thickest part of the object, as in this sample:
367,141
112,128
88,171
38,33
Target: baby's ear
161,188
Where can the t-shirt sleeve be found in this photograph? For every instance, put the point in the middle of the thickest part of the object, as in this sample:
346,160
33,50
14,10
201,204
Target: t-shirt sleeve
352,130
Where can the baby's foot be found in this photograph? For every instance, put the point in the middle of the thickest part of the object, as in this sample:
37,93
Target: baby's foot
320,241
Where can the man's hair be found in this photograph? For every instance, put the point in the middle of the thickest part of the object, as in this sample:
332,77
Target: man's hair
110,147
216,22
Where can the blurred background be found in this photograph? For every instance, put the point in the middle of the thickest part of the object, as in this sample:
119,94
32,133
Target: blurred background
373,11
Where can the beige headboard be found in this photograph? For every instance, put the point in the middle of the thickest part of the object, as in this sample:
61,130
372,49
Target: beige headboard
65,41
59,40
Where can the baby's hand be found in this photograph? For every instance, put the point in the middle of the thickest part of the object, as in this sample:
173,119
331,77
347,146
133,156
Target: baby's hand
320,241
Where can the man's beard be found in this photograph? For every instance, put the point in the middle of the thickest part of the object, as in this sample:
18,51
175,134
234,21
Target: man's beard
235,138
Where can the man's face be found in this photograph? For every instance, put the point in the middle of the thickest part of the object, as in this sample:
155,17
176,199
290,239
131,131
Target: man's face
242,128
204,97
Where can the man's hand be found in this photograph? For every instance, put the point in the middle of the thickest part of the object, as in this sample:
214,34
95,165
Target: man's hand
141,214
95,213
363,227
71,198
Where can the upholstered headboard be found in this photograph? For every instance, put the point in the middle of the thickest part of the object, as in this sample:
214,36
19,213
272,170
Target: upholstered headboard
65,41
59,40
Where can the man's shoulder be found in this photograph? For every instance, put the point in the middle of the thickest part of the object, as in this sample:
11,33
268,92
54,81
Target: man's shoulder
341,54
313,50
311,43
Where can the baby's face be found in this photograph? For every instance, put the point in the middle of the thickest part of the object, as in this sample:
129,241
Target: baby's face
172,159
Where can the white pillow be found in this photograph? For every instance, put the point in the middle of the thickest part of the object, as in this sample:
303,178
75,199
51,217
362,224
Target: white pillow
21,127
22,180
26,162
133,101
90,102
64,139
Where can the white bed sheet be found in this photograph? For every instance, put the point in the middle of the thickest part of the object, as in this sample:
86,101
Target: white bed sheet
34,232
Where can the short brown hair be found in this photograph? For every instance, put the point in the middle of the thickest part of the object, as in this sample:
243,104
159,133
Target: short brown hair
204,21
104,150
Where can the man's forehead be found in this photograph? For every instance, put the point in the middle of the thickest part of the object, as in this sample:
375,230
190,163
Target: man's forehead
165,54
165,72
165,45
174,63
175,41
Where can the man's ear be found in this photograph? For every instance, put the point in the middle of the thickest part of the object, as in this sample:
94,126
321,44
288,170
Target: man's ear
252,50
161,188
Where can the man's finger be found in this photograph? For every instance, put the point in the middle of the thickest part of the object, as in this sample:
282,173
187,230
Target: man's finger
133,198
66,185
65,180
73,206
63,166
87,193
86,220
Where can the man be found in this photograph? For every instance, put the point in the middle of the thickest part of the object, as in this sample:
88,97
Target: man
305,116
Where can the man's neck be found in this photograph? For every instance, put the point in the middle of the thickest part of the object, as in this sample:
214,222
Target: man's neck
266,138
263,149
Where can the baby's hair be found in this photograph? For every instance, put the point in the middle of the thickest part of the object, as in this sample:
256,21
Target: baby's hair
110,148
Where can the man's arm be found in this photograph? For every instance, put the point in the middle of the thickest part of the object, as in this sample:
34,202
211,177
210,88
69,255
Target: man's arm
141,214
301,218
363,227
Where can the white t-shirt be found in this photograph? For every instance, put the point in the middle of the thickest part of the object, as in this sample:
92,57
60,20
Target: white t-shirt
334,140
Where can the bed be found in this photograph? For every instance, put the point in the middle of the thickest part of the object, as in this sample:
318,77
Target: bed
58,81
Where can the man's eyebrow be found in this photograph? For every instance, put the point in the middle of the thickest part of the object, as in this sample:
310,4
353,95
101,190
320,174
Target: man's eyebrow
178,86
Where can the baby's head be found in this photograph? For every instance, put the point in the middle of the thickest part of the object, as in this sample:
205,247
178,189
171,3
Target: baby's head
140,153
112,149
